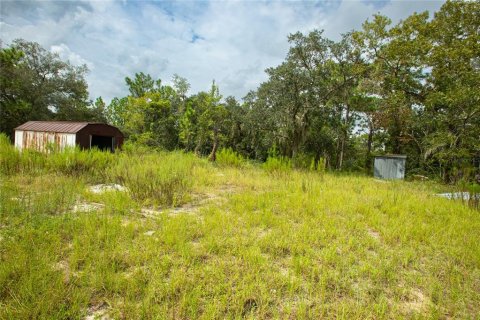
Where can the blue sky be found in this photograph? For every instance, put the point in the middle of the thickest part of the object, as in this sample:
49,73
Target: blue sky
232,42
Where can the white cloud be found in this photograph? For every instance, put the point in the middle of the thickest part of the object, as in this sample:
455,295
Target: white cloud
66,54
231,42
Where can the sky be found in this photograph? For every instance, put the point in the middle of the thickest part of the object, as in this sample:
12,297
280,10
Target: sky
231,42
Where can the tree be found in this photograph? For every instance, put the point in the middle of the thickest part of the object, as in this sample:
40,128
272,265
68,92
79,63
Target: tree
202,125
116,112
451,118
396,73
37,85
142,84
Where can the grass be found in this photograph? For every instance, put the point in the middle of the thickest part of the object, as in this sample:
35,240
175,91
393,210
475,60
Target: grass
241,243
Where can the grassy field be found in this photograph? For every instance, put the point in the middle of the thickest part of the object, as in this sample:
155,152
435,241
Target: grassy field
190,239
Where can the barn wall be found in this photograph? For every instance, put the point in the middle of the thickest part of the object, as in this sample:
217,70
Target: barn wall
41,140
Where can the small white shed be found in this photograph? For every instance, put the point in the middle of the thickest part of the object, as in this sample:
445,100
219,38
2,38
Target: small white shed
389,166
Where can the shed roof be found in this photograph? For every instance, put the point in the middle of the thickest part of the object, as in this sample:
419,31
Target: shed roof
54,126
392,156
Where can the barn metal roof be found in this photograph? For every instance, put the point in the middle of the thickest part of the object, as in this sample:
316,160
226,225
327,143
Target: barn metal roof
53,126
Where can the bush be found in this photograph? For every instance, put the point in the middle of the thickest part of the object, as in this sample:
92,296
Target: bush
277,165
228,157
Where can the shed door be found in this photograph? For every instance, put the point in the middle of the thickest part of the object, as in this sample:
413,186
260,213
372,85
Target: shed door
101,142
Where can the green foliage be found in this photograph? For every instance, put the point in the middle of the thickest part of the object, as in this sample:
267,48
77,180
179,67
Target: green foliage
409,88
303,161
142,84
228,157
37,84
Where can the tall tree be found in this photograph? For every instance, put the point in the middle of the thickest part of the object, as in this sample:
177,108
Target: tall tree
40,86
141,84
452,109
397,71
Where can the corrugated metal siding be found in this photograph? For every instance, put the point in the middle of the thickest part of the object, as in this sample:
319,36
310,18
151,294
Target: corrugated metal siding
41,140
389,168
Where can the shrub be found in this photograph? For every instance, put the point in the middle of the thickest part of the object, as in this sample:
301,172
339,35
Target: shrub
228,157
277,165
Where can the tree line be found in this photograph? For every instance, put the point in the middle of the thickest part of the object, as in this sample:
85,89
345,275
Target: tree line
412,88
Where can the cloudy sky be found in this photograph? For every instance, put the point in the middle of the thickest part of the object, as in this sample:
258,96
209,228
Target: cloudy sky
232,42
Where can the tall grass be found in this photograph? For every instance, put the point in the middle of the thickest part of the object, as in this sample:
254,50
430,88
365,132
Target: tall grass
260,246
75,162
158,178
91,164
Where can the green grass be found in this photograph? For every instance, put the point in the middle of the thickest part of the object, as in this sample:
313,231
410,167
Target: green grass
232,242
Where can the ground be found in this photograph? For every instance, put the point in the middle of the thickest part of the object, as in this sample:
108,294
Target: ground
238,242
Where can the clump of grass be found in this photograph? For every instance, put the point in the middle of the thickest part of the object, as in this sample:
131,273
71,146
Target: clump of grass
320,166
161,178
9,157
75,162
42,195
229,158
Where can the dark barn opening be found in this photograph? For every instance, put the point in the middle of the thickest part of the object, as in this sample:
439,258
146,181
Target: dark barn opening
101,142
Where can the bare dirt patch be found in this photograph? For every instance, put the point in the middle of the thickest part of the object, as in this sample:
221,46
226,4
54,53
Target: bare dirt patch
98,312
64,267
199,200
374,234
87,207
150,213
417,302
101,188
